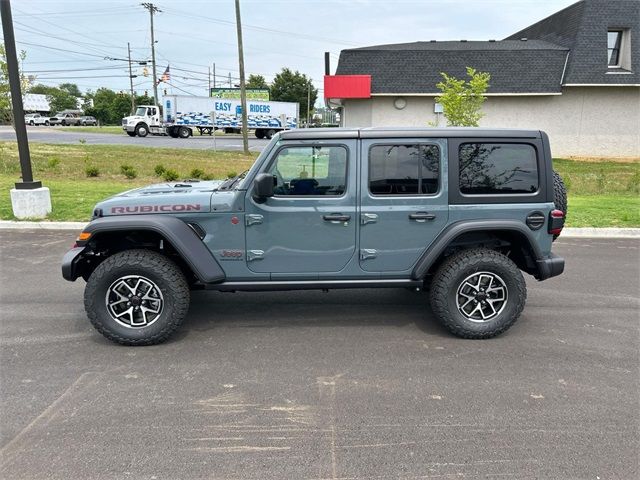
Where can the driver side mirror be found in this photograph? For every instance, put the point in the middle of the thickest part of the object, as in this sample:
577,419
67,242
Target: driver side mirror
263,187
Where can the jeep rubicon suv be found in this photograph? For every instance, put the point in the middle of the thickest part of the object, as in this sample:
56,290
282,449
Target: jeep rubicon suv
460,212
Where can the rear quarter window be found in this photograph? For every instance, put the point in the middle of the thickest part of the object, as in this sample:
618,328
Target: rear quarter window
497,168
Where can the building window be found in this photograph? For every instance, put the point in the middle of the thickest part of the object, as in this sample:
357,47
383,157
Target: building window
614,43
404,169
497,168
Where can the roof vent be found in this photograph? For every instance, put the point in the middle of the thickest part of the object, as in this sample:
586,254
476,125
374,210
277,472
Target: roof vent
491,40
523,39
432,41
463,40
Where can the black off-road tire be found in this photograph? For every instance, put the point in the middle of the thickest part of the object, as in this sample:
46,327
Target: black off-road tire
451,275
559,195
155,267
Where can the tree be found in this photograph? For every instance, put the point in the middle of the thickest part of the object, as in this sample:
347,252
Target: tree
71,88
110,107
462,100
5,91
291,86
256,81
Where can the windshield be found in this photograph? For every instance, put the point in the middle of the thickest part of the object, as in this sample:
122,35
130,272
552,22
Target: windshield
141,111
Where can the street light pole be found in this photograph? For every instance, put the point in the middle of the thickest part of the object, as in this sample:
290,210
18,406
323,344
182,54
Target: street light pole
243,92
16,100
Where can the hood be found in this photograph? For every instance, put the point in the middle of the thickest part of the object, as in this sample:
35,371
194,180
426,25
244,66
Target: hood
178,197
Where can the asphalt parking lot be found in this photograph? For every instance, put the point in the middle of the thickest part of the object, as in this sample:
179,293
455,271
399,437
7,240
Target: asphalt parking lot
63,136
309,385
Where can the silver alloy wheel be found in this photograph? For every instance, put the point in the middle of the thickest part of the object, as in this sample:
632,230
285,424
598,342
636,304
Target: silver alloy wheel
134,301
481,296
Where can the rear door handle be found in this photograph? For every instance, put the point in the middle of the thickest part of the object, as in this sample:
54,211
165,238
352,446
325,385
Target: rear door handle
421,216
336,218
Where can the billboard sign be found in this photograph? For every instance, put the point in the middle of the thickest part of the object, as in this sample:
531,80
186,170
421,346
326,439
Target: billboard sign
234,93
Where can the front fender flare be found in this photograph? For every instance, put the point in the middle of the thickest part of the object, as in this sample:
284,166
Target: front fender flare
186,243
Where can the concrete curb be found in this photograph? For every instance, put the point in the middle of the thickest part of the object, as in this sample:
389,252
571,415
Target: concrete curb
566,233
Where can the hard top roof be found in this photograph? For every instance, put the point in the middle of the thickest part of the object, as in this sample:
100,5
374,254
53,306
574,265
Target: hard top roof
405,132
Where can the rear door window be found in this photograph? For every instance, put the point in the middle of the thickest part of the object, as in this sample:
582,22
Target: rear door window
404,169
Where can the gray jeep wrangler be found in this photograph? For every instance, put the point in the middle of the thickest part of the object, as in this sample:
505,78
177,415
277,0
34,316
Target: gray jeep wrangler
458,212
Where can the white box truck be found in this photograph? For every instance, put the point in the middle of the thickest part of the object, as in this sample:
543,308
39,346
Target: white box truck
181,114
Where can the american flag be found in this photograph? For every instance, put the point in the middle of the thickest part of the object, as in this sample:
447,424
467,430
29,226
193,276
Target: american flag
166,76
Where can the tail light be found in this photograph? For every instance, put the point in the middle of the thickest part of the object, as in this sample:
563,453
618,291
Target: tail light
556,222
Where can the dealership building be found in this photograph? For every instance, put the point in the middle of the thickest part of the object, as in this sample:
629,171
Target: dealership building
575,75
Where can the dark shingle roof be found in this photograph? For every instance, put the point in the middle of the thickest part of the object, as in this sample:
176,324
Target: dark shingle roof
515,66
532,66
582,27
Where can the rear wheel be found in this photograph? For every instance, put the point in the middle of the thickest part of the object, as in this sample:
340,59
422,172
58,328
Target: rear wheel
184,132
259,133
270,133
478,293
63,123
137,297
46,123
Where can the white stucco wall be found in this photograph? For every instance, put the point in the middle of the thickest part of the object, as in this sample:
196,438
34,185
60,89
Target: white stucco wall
583,121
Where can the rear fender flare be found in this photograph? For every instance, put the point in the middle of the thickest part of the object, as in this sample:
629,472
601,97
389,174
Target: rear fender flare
454,230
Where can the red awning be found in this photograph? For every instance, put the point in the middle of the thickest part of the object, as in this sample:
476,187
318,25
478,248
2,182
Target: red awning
347,86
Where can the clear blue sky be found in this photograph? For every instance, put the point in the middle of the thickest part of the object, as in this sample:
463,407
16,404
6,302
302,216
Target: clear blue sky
193,34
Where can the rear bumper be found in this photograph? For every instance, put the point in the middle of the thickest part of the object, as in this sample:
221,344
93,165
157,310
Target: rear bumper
70,262
551,266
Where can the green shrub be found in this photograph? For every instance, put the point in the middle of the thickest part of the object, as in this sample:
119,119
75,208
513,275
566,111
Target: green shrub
159,170
231,174
633,185
196,173
128,171
53,162
207,176
170,175
92,171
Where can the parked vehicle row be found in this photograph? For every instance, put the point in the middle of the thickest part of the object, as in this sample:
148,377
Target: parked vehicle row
63,119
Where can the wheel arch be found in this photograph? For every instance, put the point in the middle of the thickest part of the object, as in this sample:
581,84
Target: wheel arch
510,236
168,235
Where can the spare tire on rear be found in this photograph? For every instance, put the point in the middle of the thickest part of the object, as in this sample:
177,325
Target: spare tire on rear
559,195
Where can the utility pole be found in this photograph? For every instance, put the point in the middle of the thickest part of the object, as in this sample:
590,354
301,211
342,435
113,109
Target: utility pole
209,87
153,9
28,198
214,75
131,76
243,92
230,84
308,102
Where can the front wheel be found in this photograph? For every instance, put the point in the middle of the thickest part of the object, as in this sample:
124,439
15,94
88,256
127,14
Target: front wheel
131,134
142,130
478,293
137,297
63,123
46,123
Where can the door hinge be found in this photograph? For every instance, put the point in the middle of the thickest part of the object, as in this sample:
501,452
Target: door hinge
368,218
252,219
255,255
367,253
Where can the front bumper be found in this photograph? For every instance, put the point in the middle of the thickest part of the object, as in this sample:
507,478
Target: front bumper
70,263
551,266
129,128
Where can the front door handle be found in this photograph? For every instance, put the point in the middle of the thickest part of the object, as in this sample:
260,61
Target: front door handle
421,216
336,218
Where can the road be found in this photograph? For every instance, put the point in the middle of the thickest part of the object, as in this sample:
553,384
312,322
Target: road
60,135
309,385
